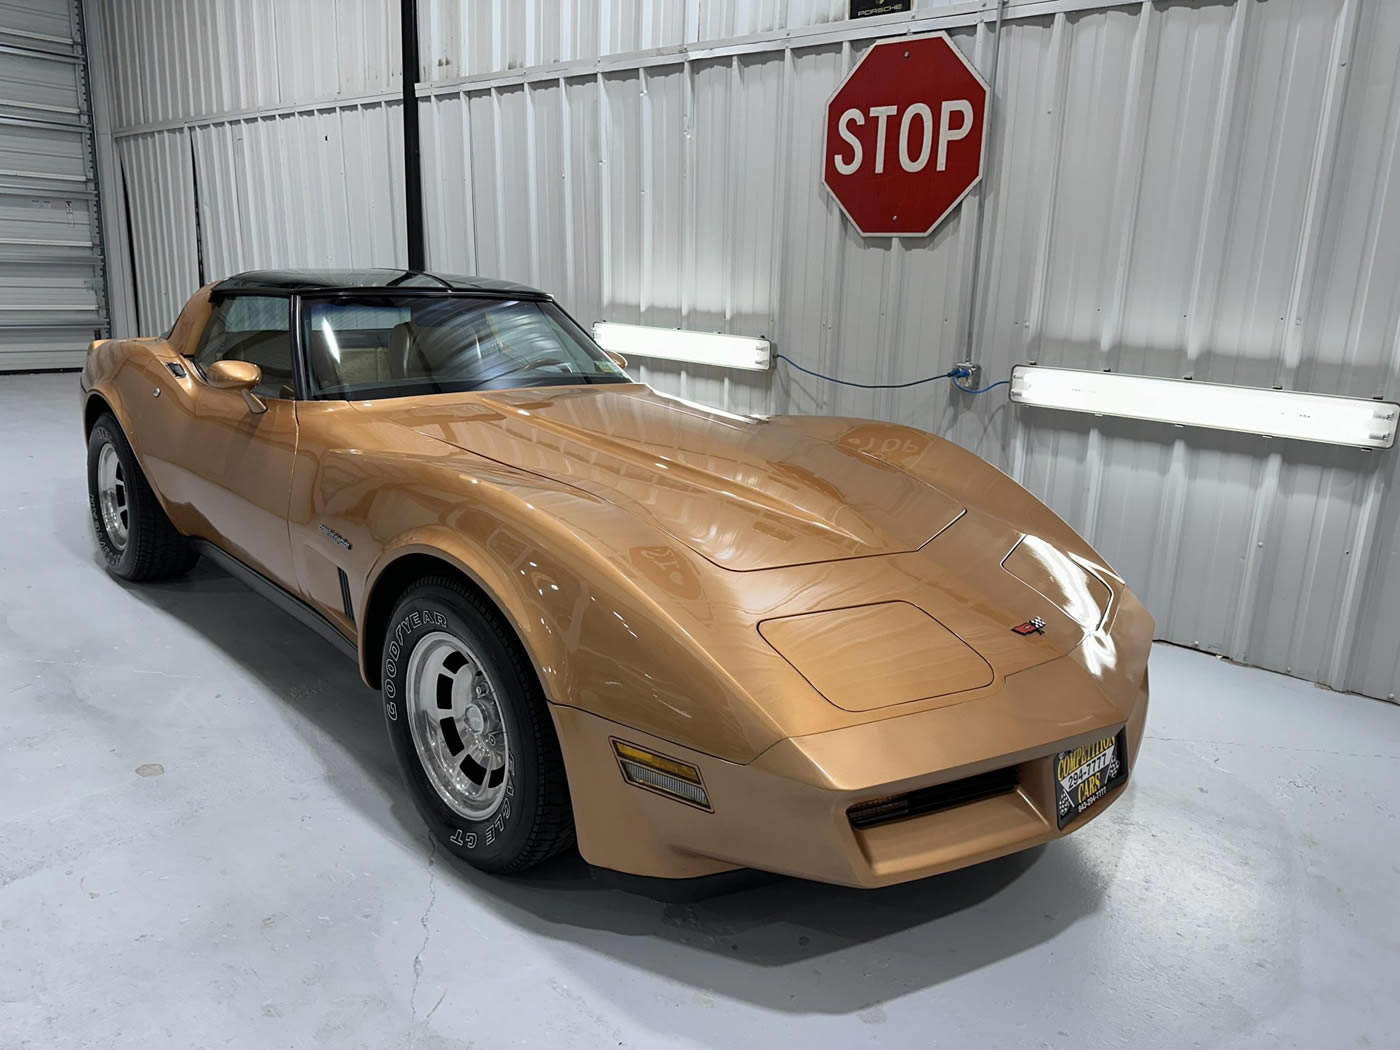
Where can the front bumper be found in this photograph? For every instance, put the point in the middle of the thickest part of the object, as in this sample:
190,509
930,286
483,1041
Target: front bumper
786,811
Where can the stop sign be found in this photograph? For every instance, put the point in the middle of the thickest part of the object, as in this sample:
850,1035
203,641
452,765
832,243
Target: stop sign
903,140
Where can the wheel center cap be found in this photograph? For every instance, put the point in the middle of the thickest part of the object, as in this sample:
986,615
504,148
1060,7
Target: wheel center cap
475,719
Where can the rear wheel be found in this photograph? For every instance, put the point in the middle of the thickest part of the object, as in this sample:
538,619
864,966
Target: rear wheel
136,539
471,731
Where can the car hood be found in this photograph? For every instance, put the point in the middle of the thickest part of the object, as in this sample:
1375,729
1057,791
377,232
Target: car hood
743,493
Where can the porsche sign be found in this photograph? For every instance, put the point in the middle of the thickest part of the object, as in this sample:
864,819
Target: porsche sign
904,136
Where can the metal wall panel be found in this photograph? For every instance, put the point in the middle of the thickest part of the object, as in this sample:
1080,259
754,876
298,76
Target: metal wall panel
1203,189
52,297
159,178
276,121
37,23
319,188
316,189
486,36
176,60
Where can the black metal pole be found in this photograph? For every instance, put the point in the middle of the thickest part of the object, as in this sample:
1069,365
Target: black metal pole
412,163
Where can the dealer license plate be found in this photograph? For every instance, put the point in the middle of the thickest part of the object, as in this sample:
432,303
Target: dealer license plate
1086,774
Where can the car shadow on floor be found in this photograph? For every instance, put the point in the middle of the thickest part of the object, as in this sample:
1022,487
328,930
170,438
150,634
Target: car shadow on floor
788,945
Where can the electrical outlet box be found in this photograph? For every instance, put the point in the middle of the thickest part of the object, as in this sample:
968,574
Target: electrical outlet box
973,380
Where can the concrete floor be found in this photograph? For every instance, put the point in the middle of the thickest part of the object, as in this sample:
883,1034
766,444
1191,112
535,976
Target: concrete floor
203,843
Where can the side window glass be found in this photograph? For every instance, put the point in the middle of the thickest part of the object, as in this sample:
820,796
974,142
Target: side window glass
252,328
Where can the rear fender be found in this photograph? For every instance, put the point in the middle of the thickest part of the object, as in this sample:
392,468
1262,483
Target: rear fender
124,375
108,359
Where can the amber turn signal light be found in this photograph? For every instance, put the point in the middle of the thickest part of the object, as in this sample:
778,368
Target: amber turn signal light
666,776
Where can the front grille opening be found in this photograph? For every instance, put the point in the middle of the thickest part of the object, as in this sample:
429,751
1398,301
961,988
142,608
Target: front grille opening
927,800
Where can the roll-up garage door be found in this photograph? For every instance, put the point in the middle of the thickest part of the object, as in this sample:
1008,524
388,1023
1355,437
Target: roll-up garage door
52,294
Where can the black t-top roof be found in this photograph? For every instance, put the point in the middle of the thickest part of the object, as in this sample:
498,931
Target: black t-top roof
379,278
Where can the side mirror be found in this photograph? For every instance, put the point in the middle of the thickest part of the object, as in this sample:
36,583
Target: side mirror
617,358
234,375
242,376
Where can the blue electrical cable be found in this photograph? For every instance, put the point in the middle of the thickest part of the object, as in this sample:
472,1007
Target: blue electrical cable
953,373
983,390
870,386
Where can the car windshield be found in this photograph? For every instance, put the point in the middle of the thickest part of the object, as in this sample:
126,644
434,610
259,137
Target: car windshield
378,345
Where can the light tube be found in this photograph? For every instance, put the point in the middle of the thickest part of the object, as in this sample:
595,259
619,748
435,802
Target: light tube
1250,410
674,344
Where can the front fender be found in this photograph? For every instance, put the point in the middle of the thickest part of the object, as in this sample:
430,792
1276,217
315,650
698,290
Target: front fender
600,603
442,544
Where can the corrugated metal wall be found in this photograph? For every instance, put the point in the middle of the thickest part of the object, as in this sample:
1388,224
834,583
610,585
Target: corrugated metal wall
159,188
319,188
53,298
278,122
466,39
175,60
1203,188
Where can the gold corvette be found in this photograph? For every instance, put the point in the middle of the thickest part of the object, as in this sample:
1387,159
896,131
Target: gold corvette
832,648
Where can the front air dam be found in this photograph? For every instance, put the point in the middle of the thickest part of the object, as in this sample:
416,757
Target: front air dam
787,811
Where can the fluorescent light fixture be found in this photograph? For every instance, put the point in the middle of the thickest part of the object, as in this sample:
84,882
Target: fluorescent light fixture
673,344
1332,420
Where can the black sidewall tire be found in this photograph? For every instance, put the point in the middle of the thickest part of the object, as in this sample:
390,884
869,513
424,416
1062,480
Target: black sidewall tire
106,432
501,842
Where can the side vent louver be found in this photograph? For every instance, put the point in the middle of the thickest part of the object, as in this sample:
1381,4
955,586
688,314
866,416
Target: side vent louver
345,595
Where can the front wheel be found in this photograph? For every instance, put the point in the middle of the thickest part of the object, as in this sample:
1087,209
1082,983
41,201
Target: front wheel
471,731
136,539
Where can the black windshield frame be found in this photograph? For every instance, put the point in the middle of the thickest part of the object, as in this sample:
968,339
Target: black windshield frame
309,390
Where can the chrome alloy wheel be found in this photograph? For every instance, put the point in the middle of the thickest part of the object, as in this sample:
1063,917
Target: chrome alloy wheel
458,729
111,497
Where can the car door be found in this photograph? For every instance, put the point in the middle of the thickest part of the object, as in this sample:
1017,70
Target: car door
233,462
